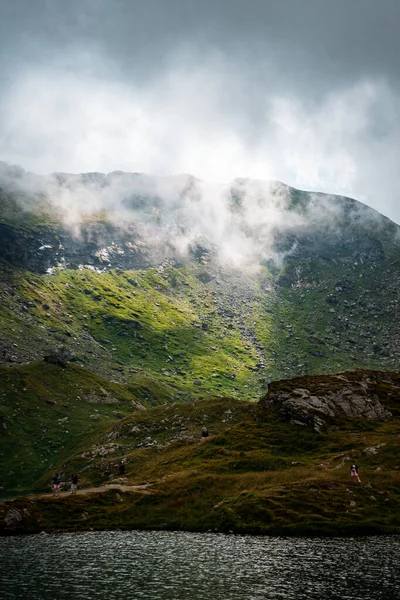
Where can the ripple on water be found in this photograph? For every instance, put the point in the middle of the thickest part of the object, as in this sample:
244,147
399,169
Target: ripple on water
187,566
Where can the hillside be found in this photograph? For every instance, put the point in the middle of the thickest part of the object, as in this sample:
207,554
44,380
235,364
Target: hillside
220,290
49,411
150,291
257,472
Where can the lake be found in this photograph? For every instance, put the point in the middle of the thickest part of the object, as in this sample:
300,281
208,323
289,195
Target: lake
190,566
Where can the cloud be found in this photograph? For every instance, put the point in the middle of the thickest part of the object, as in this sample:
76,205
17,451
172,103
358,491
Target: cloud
220,91
184,122
172,216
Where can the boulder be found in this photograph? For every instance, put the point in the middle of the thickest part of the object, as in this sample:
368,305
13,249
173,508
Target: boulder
317,405
14,518
59,356
17,518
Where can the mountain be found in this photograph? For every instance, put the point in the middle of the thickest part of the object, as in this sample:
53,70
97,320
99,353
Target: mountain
176,290
252,279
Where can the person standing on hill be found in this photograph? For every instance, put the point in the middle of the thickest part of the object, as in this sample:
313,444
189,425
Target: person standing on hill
354,472
56,484
74,483
204,432
122,468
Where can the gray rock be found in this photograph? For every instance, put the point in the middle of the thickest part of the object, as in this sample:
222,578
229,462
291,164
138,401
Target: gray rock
373,449
300,406
14,518
59,356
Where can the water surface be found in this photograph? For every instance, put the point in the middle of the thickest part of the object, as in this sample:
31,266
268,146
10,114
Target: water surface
187,566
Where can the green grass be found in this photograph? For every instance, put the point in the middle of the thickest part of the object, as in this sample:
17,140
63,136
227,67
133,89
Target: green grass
253,474
173,336
113,326
48,412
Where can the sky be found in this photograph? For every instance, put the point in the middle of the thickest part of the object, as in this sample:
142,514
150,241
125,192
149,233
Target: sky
305,92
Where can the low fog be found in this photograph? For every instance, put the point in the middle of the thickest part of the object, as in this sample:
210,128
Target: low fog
237,221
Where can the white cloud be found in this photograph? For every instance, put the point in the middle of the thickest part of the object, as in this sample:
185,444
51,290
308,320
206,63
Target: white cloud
197,120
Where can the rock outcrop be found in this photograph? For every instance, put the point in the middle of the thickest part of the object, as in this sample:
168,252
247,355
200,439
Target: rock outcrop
19,519
318,400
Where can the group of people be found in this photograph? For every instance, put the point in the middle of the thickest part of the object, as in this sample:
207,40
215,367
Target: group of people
57,483
74,480
121,468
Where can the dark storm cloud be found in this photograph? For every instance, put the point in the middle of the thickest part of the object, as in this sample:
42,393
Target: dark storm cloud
334,41
301,90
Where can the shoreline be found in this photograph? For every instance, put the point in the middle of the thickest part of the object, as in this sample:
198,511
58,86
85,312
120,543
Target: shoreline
104,511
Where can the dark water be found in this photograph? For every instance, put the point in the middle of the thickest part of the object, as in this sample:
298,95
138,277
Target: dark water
175,566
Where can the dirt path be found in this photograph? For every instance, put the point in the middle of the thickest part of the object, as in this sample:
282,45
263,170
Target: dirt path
122,487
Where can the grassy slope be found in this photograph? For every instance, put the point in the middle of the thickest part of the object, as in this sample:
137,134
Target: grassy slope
168,336
358,329
208,337
48,412
253,474
157,322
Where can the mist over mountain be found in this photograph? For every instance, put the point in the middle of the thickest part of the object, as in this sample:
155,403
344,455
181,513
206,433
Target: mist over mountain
306,282
194,232
125,290
242,222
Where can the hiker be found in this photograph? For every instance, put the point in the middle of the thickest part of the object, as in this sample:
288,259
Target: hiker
74,483
56,484
122,468
204,432
354,472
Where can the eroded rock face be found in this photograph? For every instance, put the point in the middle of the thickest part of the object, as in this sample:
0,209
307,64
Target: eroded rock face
322,402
